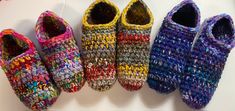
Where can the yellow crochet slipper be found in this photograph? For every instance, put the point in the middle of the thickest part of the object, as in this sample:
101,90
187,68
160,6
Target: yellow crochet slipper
99,44
133,45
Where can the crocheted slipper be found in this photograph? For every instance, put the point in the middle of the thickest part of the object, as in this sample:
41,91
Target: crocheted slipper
171,46
206,61
99,43
25,71
60,51
133,45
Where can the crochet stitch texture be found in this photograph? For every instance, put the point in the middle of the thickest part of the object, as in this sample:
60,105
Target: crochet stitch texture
207,60
133,45
170,48
25,71
99,44
60,51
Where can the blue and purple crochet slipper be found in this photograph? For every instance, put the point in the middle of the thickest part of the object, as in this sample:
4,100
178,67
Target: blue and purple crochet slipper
207,60
170,47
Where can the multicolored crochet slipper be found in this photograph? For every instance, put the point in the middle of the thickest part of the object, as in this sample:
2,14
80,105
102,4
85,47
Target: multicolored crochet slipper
60,51
25,71
133,45
207,60
170,48
99,44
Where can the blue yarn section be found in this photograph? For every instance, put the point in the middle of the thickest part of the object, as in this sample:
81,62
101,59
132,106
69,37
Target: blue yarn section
168,56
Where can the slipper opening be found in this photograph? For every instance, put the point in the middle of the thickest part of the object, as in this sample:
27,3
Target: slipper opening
223,30
187,16
12,47
138,14
102,13
53,27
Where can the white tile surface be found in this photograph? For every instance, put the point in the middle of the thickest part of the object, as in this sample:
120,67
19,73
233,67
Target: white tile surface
21,15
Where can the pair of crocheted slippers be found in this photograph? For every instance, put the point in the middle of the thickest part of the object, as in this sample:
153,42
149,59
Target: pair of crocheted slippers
104,34
189,57
27,73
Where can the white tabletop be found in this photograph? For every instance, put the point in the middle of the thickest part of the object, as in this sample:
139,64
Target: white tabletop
21,15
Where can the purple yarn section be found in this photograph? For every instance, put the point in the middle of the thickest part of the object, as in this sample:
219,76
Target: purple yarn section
207,60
